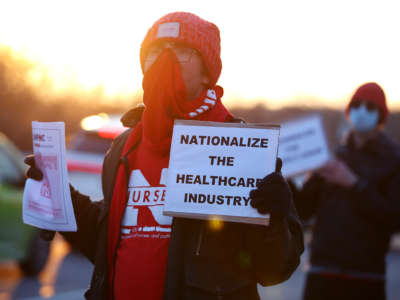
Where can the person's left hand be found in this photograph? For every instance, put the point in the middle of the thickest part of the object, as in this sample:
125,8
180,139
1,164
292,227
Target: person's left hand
35,173
337,172
272,195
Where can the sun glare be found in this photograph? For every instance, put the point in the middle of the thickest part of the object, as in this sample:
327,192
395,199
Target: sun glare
94,122
276,51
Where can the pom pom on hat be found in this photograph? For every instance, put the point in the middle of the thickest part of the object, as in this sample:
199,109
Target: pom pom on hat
373,93
191,30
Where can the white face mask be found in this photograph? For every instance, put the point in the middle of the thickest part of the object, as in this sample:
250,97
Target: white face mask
362,119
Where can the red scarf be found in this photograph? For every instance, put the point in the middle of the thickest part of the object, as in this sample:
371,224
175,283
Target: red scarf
165,100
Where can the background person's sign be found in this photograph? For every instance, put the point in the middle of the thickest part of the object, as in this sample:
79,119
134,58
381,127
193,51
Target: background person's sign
302,145
213,166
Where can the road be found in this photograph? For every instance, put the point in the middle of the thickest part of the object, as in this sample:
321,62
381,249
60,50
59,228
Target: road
67,275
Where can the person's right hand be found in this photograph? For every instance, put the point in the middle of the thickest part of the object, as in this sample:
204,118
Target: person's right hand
32,171
336,171
36,174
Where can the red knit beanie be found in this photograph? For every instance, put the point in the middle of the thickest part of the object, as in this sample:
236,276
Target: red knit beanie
191,30
373,93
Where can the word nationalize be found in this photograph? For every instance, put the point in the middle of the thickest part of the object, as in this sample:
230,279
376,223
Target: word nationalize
216,140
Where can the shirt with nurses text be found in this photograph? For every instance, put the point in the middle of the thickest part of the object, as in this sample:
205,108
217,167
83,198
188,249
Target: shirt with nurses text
145,232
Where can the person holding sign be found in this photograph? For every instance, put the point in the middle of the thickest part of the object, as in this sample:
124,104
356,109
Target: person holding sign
138,252
354,198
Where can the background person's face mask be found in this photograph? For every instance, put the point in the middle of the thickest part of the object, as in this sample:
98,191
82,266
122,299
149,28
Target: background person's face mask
362,118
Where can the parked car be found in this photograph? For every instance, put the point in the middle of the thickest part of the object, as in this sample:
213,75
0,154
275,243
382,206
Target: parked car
18,241
86,151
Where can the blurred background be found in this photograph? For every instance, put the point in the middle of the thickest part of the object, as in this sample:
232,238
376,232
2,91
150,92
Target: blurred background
67,60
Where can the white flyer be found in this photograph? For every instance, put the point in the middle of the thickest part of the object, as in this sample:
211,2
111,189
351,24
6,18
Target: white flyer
47,203
213,167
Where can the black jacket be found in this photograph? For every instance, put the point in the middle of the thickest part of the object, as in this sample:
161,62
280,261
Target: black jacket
202,264
353,225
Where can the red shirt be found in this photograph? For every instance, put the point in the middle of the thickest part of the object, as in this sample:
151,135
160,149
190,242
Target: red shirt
143,249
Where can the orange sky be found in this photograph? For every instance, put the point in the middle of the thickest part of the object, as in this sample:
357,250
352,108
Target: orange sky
291,52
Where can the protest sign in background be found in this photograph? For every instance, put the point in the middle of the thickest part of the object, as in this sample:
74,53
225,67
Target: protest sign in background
302,145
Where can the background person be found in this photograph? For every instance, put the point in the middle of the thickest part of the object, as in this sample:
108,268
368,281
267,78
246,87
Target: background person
140,254
355,200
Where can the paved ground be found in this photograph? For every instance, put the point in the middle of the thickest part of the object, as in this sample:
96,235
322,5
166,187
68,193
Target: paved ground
67,275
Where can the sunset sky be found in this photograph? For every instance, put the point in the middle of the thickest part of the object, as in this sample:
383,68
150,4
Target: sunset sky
282,52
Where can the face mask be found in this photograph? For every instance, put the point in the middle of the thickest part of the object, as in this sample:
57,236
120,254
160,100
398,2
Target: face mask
362,119
165,99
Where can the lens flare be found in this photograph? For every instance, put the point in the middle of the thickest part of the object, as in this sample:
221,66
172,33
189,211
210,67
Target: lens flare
216,223
94,122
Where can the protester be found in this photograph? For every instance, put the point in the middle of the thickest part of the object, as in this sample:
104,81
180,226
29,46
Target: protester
354,198
140,254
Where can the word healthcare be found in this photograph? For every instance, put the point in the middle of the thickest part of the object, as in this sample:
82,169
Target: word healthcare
213,167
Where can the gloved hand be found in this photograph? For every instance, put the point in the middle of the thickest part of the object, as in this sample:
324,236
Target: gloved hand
35,173
272,195
32,172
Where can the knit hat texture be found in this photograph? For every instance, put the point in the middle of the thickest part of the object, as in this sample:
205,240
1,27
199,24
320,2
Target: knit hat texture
190,30
373,93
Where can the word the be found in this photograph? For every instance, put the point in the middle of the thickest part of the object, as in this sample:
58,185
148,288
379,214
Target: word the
221,160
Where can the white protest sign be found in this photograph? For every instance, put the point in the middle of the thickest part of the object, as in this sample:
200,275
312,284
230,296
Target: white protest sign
213,167
302,145
47,203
